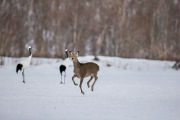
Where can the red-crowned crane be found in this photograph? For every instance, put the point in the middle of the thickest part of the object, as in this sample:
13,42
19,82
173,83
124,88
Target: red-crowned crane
64,65
22,65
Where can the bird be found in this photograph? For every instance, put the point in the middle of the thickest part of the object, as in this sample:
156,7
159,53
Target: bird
22,65
64,65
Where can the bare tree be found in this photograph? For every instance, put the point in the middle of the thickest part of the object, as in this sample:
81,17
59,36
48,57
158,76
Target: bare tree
124,28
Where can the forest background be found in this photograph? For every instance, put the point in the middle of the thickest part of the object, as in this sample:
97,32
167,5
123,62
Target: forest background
148,29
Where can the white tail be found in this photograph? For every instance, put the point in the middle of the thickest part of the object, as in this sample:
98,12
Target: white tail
82,70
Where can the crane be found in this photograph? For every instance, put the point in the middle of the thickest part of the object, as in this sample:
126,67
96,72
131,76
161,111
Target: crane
22,65
64,65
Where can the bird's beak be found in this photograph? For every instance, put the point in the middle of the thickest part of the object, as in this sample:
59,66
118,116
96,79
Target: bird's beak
33,48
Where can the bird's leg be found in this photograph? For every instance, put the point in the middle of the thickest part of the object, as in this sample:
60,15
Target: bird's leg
64,76
61,79
23,76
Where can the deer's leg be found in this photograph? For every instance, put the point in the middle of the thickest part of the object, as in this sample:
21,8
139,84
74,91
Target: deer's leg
89,81
73,79
92,87
81,86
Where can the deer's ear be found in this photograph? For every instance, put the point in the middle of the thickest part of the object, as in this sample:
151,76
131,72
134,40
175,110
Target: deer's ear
78,53
70,52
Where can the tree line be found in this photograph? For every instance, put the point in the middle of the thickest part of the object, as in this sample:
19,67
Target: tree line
147,29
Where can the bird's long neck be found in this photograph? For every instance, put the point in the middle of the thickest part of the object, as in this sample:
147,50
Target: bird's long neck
30,55
67,54
30,52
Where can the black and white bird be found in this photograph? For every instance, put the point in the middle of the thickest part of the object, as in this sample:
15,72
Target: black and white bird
64,65
22,65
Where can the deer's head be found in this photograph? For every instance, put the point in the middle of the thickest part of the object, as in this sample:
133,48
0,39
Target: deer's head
74,55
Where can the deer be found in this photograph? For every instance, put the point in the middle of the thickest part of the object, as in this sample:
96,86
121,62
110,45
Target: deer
82,70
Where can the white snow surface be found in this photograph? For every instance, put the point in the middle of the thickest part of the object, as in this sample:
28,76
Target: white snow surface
126,89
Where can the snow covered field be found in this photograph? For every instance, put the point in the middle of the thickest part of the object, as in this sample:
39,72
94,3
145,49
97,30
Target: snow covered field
127,89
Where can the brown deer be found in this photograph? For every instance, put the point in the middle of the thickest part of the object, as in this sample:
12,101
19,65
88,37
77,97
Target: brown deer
82,70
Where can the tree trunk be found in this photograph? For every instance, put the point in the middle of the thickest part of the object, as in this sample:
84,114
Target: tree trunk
100,41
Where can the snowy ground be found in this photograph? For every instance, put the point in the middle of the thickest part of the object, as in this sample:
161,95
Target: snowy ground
128,89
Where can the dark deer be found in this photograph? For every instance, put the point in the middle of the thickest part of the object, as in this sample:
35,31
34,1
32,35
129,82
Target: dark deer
82,70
